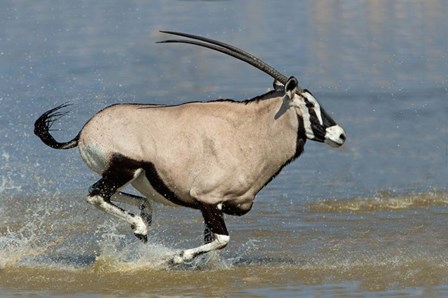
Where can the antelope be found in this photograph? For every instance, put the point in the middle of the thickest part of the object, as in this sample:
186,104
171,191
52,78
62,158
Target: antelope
212,156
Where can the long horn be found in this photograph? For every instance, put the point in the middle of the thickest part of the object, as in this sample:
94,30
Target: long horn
229,50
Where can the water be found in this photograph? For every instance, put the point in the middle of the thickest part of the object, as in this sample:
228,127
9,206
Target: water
368,219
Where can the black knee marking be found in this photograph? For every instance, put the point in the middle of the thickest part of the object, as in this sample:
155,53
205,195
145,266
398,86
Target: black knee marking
214,219
208,235
102,188
120,172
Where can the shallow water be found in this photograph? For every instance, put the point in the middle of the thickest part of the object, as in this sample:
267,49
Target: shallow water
368,219
393,245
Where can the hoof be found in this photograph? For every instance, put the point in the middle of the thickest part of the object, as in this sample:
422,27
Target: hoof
146,215
147,218
181,258
141,237
140,229
175,261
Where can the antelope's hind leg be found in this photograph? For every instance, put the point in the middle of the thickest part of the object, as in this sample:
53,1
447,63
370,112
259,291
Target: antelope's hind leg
101,192
143,204
216,235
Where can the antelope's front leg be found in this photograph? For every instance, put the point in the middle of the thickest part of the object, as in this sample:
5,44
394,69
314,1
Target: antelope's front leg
214,221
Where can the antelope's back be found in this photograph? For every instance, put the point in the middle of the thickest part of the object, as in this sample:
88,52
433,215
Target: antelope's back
168,136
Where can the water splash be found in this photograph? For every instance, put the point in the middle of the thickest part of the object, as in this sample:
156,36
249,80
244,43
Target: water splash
8,181
18,247
34,229
120,253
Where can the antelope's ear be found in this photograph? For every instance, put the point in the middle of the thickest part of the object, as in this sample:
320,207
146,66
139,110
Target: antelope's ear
291,87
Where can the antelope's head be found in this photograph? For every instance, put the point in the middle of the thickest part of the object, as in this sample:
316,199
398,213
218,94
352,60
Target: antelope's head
319,126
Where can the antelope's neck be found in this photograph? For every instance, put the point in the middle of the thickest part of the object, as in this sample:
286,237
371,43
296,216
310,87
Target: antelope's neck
281,139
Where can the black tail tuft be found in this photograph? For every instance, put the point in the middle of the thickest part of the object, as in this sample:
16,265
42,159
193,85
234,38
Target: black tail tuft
43,124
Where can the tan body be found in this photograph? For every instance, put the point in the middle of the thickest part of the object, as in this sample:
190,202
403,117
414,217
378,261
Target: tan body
214,152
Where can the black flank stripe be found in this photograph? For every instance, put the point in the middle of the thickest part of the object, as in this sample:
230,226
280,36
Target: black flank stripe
122,169
159,185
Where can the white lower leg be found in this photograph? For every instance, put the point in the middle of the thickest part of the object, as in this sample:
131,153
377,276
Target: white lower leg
219,242
136,222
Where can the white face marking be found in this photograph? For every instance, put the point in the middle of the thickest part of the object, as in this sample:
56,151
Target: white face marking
301,105
312,100
333,136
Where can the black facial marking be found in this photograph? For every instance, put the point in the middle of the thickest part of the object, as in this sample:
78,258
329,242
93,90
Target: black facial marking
318,129
326,118
328,121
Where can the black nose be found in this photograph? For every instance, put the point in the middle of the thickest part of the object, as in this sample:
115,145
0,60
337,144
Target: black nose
342,136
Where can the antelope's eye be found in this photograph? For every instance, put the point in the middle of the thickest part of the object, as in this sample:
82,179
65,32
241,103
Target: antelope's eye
309,104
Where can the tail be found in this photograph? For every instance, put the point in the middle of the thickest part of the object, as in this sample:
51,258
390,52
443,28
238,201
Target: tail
42,128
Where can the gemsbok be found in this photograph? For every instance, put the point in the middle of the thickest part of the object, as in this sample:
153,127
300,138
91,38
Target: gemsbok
212,156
